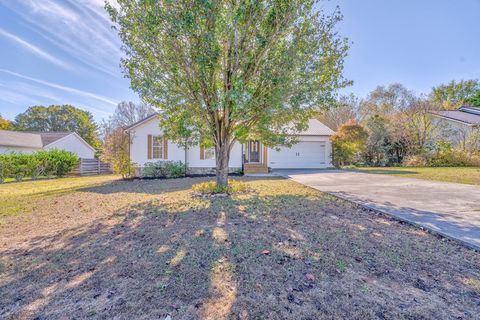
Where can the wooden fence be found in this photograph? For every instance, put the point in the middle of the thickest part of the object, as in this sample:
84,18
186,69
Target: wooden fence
87,167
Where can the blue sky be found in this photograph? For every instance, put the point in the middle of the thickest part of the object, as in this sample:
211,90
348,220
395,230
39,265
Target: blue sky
64,51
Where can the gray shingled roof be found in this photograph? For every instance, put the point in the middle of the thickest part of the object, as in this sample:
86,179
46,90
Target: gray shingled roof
460,115
315,127
34,140
50,137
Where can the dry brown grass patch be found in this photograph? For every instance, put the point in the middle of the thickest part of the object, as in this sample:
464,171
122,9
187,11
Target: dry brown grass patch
148,249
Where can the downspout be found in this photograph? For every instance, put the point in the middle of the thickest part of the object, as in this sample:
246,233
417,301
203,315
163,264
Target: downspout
243,160
186,149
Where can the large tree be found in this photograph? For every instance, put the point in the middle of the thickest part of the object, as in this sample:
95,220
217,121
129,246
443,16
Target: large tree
59,118
231,70
386,101
454,94
474,100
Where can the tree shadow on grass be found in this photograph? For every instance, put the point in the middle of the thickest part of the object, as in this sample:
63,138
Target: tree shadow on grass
146,186
251,256
158,186
111,268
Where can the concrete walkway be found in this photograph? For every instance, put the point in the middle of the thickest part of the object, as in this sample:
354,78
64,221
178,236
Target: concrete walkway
450,209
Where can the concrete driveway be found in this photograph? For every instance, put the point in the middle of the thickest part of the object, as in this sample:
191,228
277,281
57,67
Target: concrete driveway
450,209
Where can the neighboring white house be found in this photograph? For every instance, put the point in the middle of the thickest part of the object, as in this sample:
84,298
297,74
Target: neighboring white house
460,126
28,142
313,150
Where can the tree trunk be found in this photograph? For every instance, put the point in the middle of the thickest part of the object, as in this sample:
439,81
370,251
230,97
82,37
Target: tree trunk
222,156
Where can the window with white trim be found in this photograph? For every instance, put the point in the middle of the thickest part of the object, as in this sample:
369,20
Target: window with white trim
209,153
157,147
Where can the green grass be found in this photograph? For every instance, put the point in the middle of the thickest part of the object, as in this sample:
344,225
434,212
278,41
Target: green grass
8,180
466,175
16,197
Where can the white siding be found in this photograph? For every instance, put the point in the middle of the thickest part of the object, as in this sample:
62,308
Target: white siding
139,148
6,149
139,151
139,144
194,160
73,144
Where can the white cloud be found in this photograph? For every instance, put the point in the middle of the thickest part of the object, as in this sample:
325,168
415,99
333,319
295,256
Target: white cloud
81,28
31,90
15,98
51,8
82,93
33,49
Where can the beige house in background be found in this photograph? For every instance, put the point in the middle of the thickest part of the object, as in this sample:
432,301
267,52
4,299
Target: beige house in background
461,127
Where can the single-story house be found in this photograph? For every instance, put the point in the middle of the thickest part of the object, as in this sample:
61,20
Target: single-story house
458,125
28,142
313,150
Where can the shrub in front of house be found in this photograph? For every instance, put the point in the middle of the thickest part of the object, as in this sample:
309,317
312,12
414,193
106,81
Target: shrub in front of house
211,187
42,163
22,165
174,169
164,169
57,162
6,167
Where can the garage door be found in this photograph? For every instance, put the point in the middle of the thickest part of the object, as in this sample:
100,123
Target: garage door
302,155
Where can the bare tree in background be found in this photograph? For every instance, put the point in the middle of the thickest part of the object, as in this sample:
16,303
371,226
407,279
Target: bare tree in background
125,114
386,101
421,129
341,112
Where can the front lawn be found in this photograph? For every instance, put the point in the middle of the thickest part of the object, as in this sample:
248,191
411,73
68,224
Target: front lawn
467,175
103,248
26,196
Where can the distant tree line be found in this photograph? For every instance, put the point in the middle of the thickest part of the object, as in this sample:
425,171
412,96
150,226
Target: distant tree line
394,126
391,126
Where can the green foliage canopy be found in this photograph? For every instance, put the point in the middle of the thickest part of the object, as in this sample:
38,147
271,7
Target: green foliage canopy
231,70
475,100
59,118
454,94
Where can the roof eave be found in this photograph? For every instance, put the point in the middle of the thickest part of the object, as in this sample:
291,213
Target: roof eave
138,123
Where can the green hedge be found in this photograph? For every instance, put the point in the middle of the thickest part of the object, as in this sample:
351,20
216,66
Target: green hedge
164,169
42,163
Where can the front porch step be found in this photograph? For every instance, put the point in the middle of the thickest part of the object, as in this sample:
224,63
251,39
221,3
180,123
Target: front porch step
248,169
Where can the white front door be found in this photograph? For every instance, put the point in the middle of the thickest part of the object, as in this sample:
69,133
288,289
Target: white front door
303,155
